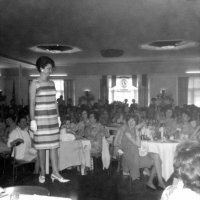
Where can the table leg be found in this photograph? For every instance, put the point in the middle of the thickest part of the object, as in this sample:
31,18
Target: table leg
82,170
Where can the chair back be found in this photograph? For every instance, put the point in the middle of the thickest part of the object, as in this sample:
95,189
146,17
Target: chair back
31,190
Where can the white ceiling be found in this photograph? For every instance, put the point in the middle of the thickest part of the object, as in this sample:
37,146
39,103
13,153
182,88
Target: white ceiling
93,25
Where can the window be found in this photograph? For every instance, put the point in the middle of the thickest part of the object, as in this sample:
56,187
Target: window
59,84
194,91
123,89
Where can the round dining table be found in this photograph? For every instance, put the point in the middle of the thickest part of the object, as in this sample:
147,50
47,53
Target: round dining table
166,150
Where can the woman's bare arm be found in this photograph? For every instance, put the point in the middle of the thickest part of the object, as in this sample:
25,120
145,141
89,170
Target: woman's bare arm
136,142
32,93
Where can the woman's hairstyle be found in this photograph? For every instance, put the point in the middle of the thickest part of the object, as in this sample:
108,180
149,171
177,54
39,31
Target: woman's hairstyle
171,109
96,115
43,61
128,116
13,117
20,117
187,164
186,112
84,110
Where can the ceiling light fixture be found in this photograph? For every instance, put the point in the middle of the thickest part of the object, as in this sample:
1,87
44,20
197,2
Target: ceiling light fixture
55,48
193,72
111,52
169,45
37,75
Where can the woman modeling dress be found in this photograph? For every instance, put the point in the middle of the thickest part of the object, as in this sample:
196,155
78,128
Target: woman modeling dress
45,119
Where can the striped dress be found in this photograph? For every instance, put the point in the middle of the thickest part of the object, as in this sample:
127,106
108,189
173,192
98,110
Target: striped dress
46,116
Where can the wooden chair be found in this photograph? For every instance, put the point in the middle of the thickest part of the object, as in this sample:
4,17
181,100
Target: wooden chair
18,163
4,156
31,190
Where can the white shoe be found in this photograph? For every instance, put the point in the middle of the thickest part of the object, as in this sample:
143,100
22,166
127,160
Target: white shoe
61,179
42,179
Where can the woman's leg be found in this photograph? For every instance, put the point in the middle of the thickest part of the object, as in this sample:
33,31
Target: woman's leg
42,156
157,164
54,161
147,162
130,162
151,177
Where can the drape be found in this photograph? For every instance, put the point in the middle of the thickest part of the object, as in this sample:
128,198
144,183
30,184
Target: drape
69,90
182,90
134,80
104,89
113,81
143,90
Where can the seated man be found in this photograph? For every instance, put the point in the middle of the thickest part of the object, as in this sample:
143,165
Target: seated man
21,137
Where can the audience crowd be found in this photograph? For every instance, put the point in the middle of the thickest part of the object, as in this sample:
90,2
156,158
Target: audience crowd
176,122
154,122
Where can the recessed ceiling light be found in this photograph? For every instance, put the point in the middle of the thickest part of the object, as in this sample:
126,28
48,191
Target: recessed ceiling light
169,45
55,48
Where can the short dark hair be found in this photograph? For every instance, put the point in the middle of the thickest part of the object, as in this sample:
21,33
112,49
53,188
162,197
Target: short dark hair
13,117
43,61
96,115
20,117
128,116
187,164
184,111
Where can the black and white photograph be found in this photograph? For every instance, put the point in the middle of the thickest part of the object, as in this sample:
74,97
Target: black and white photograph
99,99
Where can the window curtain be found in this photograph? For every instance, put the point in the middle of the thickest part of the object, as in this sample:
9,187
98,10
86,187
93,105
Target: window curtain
113,83
134,80
104,89
143,90
69,90
182,91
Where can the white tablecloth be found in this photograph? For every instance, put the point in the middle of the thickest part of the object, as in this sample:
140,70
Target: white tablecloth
74,153
166,150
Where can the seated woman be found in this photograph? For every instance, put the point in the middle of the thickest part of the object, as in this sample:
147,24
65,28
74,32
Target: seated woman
2,131
21,137
169,122
187,170
68,130
105,118
185,128
131,160
10,124
95,132
118,116
3,138
82,124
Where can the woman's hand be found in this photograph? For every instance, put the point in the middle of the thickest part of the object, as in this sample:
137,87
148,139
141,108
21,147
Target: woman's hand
59,122
33,125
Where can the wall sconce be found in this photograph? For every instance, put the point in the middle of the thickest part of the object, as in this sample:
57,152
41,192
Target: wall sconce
86,90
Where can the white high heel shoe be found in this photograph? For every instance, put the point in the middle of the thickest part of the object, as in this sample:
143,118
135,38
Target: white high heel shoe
42,179
61,179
